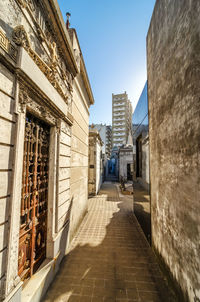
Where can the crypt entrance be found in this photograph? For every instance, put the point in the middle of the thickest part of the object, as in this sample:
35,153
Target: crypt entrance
34,197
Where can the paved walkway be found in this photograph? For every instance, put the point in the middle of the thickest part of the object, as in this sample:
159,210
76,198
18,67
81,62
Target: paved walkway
110,259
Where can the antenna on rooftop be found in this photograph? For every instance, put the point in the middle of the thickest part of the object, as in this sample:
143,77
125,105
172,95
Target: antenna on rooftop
67,23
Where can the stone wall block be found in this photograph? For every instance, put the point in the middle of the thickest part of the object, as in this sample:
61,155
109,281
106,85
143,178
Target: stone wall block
64,150
64,161
63,185
7,132
5,184
64,173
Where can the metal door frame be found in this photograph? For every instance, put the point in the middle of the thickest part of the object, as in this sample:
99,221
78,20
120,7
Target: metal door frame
34,198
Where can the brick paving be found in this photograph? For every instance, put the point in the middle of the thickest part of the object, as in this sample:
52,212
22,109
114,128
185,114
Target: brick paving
110,259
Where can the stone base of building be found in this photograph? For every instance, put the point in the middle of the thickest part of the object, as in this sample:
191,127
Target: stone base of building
37,286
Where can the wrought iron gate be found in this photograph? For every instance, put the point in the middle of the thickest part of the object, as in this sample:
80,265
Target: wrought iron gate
33,228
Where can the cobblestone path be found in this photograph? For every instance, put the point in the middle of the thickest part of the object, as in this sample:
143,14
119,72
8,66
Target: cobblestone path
110,259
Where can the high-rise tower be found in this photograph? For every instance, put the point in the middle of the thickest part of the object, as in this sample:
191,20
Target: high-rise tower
121,118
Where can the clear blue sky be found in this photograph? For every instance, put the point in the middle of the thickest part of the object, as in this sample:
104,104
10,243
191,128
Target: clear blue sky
112,36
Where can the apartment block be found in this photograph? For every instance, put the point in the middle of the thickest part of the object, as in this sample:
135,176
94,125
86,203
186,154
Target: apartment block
105,132
121,118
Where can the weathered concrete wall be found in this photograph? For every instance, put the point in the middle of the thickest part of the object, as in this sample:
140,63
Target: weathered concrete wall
173,56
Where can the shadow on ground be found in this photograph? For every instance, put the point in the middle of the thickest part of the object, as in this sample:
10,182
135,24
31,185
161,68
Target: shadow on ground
110,259
142,209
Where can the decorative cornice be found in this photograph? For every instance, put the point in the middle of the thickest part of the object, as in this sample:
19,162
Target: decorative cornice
21,38
27,102
47,9
22,3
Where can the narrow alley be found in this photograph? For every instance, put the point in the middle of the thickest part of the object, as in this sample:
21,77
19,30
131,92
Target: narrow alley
110,258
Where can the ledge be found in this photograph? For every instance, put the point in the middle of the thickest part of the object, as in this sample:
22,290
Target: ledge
39,283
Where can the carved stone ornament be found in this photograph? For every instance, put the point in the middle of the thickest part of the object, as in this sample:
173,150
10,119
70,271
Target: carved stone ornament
4,42
26,3
58,126
31,5
78,57
7,46
24,99
54,56
22,3
42,111
20,37
40,33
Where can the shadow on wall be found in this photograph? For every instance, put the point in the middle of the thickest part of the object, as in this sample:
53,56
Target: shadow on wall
109,261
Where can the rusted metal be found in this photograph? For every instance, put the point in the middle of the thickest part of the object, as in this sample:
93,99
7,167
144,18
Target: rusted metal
33,228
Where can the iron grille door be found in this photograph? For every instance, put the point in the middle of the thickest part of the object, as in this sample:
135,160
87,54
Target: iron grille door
33,224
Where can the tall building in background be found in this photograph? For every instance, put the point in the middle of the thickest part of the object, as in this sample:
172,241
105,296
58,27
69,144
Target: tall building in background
108,140
105,132
121,118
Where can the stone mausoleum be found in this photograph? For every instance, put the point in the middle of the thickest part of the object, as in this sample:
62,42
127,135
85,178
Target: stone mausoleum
126,160
45,97
95,166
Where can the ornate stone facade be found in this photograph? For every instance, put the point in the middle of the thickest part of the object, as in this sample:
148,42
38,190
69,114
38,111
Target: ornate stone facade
41,76
54,73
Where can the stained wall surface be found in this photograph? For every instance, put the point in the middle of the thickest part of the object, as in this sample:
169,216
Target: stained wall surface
173,57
